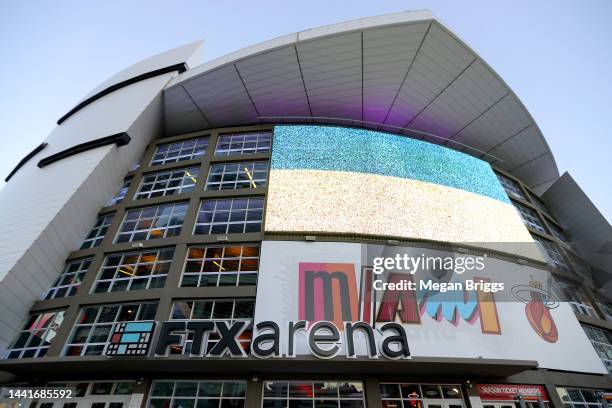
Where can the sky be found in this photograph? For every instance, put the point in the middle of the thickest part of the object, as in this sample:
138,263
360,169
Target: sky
555,54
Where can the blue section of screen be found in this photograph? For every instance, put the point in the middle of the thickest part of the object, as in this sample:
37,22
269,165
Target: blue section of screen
365,151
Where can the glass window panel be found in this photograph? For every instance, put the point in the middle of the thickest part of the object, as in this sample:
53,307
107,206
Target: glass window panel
390,391
210,389
451,391
221,265
98,231
431,391
124,388
529,216
351,389
229,215
152,222
410,391
162,389
300,403
224,176
274,403
101,388
232,403
69,280
234,389
208,403
326,403
326,390
134,270
203,394
186,389
36,336
96,324
179,151
243,143
120,196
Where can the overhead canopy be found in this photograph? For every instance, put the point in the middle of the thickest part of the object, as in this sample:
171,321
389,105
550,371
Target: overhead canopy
404,73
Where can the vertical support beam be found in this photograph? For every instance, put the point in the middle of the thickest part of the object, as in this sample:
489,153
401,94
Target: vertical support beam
163,312
472,397
61,337
372,392
555,400
173,279
254,393
143,388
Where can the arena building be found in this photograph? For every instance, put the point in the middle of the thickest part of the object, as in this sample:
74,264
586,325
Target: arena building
232,234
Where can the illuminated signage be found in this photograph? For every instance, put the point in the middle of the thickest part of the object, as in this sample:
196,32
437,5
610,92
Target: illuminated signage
324,339
509,392
130,339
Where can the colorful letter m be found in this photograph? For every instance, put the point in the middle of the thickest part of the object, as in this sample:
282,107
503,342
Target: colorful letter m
328,291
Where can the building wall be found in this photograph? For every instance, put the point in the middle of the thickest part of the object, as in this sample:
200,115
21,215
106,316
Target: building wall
47,211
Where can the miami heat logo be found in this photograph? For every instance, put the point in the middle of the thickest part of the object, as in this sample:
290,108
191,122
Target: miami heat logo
538,304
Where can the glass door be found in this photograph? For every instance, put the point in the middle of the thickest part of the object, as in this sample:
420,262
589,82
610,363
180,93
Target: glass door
90,401
499,405
443,403
103,394
107,401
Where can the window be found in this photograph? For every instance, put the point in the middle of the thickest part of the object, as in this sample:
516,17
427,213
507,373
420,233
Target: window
605,306
95,325
243,143
577,398
538,202
529,216
576,298
168,183
97,233
580,266
69,280
134,270
512,187
551,252
36,336
122,192
231,176
200,394
229,310
152,222
137,165
558,232
601,343
413,395
180,151
219,265
83,389
230,216
306,394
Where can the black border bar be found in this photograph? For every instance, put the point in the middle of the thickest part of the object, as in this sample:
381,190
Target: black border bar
181,67
25,160
120,139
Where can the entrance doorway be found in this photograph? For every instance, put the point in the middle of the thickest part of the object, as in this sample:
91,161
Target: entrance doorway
90,395
436,403
513,404
408,395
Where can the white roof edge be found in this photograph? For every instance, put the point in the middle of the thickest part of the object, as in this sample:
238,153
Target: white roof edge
401,17
391,19
190,53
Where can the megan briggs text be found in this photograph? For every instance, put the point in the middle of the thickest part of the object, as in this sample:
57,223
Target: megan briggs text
425,285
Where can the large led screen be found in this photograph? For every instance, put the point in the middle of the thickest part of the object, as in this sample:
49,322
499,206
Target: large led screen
327,179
